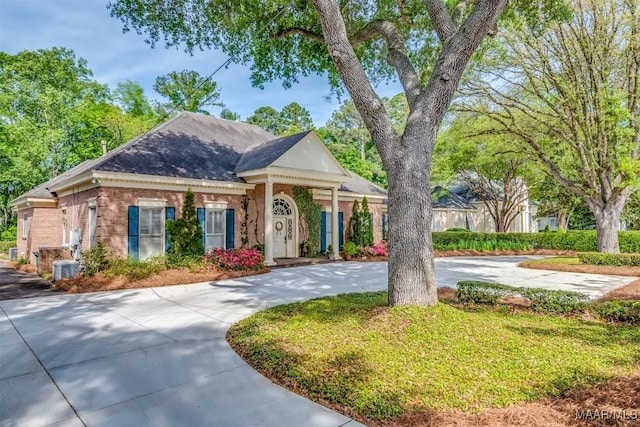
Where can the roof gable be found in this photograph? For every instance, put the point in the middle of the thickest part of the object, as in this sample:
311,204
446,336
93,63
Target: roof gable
310,154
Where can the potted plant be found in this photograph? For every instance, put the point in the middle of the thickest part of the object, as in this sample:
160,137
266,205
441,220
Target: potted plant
329,252
349,249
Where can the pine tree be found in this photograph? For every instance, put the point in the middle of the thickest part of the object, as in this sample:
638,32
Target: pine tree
186,232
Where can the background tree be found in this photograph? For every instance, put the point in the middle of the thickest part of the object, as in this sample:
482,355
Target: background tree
571,96
229,115
292,119
188,91
554,199
129,95
356,42
489,165
631,212
186,232
53,116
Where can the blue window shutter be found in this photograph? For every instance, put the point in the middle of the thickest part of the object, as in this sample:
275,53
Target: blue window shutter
230,229
323,231
200,212
340,230
384,227
133,226
169,215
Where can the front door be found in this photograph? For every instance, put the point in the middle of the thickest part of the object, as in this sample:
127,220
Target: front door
284,236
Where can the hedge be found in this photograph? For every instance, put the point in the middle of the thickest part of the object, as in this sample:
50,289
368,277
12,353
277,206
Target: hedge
597,258
579,241
6,244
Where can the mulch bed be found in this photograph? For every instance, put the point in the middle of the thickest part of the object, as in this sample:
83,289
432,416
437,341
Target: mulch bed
100,282
616,395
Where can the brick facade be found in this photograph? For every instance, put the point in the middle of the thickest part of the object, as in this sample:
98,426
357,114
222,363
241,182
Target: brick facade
46,224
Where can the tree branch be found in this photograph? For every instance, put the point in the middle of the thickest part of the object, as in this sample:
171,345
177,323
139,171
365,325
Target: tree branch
302,32
442,22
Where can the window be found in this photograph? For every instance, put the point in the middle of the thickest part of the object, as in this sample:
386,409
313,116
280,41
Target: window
25,225
214,228
151,232
385,227
92,226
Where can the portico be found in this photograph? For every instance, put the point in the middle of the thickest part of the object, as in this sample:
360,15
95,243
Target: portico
305,163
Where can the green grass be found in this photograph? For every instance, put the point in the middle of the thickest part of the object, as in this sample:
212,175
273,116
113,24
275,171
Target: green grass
353,350
562,260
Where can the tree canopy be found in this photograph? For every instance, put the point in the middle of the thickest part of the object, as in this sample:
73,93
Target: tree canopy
425,44
188,91
292,119
571,97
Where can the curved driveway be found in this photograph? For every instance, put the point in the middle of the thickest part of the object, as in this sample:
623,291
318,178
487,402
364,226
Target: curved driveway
158,357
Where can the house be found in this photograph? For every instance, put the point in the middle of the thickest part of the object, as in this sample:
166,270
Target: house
458,207
242,177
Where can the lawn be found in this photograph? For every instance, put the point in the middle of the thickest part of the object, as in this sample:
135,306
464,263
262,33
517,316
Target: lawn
377,363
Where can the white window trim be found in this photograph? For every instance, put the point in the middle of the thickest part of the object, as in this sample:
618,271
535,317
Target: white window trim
152,203
163,215
92,202
224,222
215,205
25,225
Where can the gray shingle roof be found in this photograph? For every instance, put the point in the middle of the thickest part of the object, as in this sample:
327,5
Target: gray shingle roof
199,147
451,198
359,185
262,155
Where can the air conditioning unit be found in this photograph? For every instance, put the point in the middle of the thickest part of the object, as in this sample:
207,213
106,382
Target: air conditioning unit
65,268
13,254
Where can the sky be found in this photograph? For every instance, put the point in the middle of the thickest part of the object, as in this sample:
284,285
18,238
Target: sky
86,27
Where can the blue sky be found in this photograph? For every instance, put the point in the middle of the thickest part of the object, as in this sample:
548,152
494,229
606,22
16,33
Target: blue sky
86,27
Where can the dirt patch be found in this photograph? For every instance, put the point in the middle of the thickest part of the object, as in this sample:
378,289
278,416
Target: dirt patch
25,268
100,282
629,292
446,293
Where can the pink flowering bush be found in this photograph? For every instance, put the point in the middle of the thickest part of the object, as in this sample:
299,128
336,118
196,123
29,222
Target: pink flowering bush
234,259
377,250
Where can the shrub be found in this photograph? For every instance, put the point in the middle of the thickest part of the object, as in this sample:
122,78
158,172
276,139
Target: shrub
350,249
542,300
485,245
234,259
134,269
10,234
473,292
95,259
186,232
618,311
456,230
547,301
379,249
176,260
579,241
6,244
597,258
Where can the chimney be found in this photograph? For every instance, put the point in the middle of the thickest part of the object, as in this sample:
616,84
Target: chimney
104,147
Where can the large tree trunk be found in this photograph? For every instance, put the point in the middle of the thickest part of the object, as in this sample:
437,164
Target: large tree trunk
607,221
411,267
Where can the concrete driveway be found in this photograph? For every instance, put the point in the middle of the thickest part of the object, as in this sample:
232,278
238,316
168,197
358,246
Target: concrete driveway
158,357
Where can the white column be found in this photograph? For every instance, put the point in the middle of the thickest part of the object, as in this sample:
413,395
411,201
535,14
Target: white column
334,223
268,223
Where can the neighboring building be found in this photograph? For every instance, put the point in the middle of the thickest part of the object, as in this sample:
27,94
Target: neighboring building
458,207
125,197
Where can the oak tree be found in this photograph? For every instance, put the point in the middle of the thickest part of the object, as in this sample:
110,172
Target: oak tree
426,44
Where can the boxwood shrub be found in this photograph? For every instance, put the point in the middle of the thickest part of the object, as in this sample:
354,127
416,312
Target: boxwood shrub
618,311
573,240
597,258
542,300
